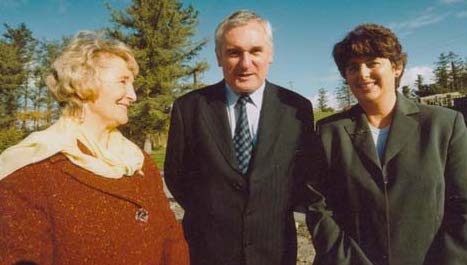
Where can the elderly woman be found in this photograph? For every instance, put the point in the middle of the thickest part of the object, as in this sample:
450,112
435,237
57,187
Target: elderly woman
79,192
397,186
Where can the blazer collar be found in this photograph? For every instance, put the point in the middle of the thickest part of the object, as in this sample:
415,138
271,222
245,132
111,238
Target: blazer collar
360,135
403,126
217,122
268,127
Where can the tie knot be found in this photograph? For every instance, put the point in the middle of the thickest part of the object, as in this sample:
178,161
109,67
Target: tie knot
243,99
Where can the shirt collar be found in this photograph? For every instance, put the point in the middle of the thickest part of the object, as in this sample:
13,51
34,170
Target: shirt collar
256,97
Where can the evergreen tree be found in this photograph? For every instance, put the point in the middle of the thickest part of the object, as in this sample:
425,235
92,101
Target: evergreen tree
11,77
25,44
422,89
323,100
407,91
45,108
455,71
441,73
344,95
160,32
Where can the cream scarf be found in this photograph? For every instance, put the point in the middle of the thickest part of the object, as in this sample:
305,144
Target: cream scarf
121,158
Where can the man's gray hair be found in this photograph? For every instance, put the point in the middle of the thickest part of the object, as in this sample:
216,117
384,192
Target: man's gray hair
240,18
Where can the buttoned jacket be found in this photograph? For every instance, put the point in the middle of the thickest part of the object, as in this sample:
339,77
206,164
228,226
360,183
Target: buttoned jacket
231,218
54,212
408,208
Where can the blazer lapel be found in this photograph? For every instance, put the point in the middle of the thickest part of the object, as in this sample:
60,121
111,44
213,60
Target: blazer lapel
269,125
402,127
218,125
360,135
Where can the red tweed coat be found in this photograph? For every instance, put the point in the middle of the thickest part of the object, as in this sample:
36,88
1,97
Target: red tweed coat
54,212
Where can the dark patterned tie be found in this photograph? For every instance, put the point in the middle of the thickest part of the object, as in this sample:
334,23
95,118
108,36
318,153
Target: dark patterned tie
242,139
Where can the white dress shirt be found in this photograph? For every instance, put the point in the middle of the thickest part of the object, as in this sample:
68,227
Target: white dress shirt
253,109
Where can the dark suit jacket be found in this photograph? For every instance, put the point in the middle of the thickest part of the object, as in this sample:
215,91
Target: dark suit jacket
230,218
408,209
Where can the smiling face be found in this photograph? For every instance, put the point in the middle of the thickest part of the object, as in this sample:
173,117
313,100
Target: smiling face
372,80
245,55
115,92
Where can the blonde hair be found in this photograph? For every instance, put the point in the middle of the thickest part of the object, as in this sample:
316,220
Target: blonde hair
74,74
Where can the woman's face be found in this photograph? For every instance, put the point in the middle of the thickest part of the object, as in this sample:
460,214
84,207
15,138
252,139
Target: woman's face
115,92
372,80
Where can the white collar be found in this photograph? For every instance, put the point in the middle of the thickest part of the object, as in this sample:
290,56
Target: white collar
256,97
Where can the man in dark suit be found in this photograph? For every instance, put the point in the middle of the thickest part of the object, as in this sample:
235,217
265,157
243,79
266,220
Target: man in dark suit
233,154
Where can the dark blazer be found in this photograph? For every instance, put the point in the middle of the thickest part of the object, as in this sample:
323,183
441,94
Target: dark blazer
230,218
410,208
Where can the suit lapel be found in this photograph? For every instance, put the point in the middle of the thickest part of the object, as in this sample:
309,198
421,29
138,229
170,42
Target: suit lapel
269,125
217,122
402,127
360,135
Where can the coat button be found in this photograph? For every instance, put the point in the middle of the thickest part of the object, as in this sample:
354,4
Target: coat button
142,215
237,186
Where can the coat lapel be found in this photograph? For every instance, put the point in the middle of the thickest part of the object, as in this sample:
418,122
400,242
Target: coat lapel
360,135
127,188
269,125
402,127
217,122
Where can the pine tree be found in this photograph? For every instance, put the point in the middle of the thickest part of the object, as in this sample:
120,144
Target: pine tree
344,95
323,100
160,32
45,107
441,73
25,44
455,71
407,92
11,77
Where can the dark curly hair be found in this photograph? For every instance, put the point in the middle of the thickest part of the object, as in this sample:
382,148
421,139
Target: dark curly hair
369,40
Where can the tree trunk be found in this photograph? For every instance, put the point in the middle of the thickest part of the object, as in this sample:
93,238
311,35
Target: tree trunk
148,144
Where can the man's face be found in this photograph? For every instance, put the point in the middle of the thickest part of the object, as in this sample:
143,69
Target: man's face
244,56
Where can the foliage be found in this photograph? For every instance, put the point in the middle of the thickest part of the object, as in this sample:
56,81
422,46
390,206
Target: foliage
344,95
9,137
323,100
160,32
450,75
12,76
158,156
43,102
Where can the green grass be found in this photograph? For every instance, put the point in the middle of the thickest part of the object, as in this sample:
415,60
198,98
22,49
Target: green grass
158,156
322,114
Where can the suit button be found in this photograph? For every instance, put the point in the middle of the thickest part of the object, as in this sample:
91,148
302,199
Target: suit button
238,186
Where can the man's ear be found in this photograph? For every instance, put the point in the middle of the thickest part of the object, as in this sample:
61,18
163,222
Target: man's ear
271,60
218,57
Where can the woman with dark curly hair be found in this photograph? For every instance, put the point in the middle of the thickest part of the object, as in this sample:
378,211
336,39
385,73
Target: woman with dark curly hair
397,182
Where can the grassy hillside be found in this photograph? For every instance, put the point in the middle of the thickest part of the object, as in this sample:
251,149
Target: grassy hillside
322,114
